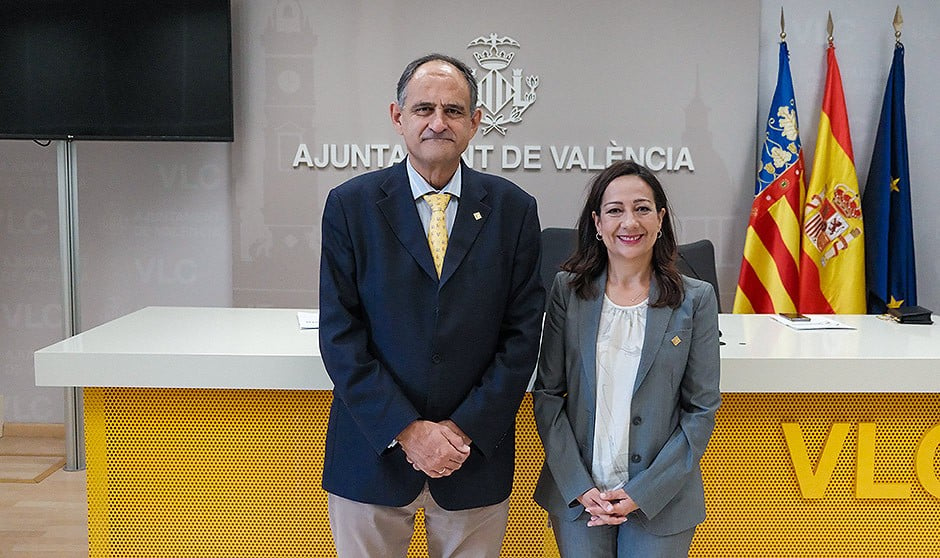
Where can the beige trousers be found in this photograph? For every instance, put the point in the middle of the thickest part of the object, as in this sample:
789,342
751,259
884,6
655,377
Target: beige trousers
367,530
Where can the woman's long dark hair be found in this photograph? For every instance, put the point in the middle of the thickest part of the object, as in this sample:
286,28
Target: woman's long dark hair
590,258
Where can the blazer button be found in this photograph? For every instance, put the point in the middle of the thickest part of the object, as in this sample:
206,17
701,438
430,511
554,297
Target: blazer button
637,421
436,358
635,458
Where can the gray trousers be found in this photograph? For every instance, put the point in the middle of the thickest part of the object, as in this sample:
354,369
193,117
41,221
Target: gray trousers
576,540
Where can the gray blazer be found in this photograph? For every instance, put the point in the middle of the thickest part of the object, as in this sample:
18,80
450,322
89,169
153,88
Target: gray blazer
675,398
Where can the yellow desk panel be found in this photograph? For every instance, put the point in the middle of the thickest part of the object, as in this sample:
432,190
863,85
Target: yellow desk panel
200,472
206,472
754,500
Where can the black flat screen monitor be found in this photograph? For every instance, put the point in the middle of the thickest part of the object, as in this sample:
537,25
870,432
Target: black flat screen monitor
116,70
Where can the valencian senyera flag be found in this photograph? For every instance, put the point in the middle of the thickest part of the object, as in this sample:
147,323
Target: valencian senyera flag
886,203
832,264
769,278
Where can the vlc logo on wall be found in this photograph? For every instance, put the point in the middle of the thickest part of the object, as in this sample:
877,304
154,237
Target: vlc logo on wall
496,90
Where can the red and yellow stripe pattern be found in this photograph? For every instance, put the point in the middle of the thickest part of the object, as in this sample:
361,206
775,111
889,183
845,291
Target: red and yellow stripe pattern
832,261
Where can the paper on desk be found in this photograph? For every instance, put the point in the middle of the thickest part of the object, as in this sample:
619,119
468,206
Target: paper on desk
309,320
815,322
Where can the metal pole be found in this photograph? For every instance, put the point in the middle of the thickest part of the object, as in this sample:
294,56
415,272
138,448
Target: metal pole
71,317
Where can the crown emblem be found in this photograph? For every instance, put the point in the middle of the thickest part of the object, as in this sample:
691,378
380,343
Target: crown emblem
496,90
493,59
847,202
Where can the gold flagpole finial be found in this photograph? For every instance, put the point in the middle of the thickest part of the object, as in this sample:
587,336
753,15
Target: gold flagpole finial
783,32
829,28
898,23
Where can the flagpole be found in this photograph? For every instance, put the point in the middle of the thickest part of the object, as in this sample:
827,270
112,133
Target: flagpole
898,23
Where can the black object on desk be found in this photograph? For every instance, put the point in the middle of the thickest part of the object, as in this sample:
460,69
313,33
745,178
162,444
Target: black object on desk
911,315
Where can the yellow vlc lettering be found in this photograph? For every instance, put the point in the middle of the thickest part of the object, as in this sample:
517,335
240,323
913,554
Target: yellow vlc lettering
813,484
865,485
923,464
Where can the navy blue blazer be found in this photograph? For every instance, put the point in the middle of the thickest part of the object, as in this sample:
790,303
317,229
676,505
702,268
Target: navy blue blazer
401,344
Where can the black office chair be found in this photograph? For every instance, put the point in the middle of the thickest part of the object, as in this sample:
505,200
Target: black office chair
696,259
557,246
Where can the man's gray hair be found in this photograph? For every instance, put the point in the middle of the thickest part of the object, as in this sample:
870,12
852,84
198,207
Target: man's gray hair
413,66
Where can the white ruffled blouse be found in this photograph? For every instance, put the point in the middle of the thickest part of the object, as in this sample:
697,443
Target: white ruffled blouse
619,344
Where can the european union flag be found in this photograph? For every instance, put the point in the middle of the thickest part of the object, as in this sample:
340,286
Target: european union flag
886,204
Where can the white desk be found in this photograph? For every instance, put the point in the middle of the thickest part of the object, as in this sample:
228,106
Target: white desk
260,348
879,356
230,348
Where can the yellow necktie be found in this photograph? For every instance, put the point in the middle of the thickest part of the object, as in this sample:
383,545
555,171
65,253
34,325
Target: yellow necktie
437,228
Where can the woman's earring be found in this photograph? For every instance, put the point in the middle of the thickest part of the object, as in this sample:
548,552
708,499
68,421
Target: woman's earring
659,234
599,237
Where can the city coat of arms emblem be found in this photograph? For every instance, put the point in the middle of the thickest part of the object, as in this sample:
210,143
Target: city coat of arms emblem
497,91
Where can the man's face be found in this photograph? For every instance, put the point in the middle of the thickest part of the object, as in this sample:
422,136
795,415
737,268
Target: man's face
437,120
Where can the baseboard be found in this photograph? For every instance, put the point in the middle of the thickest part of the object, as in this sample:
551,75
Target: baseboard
34,430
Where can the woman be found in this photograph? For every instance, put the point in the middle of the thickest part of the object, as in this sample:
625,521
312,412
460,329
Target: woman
627,384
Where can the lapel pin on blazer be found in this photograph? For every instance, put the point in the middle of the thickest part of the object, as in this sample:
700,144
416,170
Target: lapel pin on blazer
675,341
477,216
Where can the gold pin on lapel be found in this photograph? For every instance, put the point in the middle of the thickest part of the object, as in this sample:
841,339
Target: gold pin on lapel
477,216
675,341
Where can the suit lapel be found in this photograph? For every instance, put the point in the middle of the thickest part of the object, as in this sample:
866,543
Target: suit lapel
590,321
657,319
472,213
399,210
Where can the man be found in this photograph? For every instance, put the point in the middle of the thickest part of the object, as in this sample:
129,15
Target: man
430,313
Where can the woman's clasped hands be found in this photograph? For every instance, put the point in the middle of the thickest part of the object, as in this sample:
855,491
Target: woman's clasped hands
607,508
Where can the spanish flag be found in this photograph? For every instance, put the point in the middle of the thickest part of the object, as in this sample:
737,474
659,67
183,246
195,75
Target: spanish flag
832,264
769,280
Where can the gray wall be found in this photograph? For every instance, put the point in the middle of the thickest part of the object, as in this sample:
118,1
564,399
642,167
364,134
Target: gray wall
220,225
640,75
30,306
154,229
